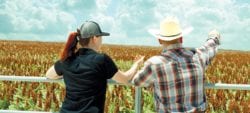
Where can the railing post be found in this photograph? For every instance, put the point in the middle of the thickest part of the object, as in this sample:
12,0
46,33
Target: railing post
138,99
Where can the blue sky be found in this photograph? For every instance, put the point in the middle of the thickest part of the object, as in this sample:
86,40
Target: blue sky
126,20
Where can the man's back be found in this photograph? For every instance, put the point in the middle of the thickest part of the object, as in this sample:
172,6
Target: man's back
178,81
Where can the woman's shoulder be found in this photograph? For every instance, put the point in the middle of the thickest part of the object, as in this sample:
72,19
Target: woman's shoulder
104,56
100,57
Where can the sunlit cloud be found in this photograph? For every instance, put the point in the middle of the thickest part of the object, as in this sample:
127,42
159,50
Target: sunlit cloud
127,21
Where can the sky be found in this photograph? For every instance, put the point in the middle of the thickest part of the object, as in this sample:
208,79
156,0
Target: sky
127,21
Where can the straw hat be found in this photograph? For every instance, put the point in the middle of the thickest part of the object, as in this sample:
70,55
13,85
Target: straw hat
169,30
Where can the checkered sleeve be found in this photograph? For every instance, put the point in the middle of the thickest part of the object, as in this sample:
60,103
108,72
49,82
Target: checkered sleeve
208,50
145,76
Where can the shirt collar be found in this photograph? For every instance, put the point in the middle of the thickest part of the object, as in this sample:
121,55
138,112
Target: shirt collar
172,46
85,51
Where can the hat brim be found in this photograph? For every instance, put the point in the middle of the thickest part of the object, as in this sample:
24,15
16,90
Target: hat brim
105,34
156,33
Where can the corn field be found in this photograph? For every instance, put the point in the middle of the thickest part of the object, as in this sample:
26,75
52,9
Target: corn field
34,58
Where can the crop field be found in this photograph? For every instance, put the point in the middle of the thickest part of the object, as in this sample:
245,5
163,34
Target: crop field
34,58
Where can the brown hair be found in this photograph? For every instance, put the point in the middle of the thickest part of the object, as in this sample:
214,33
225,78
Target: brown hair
70,47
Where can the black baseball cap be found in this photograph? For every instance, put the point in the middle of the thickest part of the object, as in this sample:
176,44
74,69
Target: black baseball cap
91,28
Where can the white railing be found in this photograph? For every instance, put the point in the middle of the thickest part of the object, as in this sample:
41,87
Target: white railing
137,89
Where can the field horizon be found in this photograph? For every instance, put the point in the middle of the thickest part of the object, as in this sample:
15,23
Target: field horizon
124,45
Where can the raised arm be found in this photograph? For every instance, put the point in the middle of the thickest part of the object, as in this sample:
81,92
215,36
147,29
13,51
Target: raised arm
209,49
125,77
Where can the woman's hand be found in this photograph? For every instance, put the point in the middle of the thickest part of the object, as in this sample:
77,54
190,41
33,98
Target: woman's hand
139,60
125,77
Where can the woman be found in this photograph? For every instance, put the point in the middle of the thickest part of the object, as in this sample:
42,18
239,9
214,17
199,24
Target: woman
85,71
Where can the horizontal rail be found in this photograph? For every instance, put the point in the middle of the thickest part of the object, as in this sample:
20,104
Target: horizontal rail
27,79
44,79
14,111
227,86
40,79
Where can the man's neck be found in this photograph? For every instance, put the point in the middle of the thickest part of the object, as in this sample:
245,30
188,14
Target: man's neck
172,46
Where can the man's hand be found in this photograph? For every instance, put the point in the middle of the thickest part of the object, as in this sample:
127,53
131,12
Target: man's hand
214,33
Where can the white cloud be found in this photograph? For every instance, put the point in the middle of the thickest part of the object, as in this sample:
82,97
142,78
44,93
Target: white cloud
33,17
128,20
102,5
71,2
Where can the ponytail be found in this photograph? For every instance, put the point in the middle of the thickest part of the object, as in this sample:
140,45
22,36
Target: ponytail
70,46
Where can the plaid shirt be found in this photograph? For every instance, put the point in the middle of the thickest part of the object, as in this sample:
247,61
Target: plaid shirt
178,77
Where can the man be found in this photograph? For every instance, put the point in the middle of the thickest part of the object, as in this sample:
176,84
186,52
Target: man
177,74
